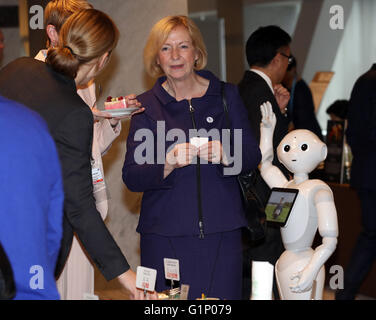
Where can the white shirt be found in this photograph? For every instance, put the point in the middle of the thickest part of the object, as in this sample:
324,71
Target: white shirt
265,77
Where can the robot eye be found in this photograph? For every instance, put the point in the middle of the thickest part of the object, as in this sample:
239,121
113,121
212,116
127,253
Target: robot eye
304,147
286,148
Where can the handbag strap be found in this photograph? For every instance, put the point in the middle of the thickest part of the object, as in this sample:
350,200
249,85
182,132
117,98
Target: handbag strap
225,107
254,174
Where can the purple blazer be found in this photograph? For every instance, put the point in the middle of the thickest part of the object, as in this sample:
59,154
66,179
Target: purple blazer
169,206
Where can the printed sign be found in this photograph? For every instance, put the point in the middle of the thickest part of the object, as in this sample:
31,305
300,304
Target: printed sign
171,267
146,278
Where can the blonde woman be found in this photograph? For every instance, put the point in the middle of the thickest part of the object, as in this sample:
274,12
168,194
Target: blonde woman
191,211
86,41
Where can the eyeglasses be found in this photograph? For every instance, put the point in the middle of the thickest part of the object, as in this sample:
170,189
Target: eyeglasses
288,57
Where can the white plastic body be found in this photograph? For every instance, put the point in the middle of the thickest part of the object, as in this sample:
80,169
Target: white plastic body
262,280
300,269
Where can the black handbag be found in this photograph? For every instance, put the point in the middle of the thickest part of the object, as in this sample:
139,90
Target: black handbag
255,193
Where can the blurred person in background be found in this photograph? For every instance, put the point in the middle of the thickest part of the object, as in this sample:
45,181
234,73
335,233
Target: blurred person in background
300,109
361,136
338,110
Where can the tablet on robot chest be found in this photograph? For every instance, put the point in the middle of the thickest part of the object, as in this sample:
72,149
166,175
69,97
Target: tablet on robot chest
279,205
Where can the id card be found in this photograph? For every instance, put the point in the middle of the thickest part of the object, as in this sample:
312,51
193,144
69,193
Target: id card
171,268
96,175
145,279
199,141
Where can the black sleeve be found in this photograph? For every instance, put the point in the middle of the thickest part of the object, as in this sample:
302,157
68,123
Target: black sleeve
7,285
253,96
361,131
74,141
253,100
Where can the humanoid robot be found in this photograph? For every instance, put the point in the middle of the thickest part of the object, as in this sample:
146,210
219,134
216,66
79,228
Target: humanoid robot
300,270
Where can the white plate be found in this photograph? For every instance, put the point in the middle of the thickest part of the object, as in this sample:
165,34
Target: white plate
115,113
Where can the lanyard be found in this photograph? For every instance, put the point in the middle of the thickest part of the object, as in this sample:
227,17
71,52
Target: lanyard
198,178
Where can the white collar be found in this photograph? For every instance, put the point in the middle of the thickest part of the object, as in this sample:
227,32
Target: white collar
265,77
42,55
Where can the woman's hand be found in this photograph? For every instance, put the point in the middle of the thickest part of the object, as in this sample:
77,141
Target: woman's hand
180,156
132,101
211,152
128,283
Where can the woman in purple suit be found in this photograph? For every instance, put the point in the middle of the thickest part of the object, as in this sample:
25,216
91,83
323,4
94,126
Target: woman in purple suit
178,156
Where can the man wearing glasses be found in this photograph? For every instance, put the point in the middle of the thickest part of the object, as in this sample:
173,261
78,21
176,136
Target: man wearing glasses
268,55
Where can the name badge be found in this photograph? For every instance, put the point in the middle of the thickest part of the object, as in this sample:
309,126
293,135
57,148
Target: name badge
145,278
96,175
171,268
199,141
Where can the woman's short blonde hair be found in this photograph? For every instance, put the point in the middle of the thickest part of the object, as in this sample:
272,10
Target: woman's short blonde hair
158,35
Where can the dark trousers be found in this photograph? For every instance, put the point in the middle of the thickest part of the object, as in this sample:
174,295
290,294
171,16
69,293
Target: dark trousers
210,266
364,252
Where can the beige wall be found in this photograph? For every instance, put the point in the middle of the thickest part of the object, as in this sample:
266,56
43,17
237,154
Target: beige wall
202,6
125,75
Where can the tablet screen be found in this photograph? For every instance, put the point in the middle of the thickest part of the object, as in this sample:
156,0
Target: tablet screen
279,205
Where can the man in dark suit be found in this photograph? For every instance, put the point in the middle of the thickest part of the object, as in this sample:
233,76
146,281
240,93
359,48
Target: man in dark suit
70,121
361,136
268,55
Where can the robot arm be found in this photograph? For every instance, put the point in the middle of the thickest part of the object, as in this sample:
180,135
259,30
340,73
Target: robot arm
328,229
270,173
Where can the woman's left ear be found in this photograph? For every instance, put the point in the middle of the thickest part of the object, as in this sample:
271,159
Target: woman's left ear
103,60
52,35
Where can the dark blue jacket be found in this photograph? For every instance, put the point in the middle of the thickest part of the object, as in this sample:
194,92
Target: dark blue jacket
169,206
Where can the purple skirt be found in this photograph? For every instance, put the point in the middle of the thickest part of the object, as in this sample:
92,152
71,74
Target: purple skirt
212,266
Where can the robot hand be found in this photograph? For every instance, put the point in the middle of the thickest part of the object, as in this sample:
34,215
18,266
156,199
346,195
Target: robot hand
272,175
268,122
303,281
268,119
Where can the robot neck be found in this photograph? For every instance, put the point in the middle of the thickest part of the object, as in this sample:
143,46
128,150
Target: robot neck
300,177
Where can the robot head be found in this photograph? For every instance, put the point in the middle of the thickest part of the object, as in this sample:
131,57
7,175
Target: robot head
300,151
